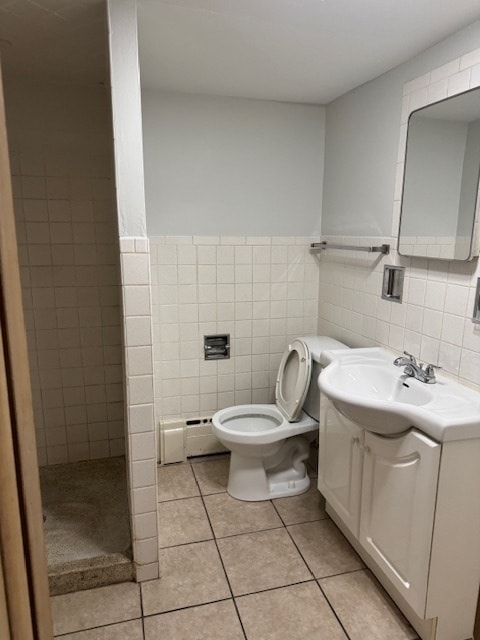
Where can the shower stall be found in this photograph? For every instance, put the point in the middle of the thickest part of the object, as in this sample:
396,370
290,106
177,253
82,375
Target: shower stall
60,142
72,97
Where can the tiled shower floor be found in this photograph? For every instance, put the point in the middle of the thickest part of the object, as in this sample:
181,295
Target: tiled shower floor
274,570
87,532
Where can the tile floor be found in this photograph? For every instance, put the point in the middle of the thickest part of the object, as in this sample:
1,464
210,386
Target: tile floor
231,570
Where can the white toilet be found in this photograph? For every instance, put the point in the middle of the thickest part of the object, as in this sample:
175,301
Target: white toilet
270,442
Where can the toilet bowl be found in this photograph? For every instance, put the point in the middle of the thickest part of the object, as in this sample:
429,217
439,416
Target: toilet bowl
269,443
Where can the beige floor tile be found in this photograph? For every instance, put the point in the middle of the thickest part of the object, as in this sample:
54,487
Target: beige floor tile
364,609
191,574
95,607
290,613
216,621
182,521
229,516
176,481
132,630
262,560
307,507
212,475
324,548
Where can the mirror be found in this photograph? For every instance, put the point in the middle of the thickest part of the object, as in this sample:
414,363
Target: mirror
441,178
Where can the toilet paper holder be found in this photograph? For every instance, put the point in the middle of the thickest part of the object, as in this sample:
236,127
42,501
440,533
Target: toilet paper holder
216,347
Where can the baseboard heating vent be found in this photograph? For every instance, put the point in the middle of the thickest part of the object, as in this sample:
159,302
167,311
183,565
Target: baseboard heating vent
182,439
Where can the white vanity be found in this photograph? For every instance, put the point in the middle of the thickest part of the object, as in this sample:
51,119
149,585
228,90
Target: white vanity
399,467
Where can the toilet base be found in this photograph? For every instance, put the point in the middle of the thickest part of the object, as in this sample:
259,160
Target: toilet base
283,474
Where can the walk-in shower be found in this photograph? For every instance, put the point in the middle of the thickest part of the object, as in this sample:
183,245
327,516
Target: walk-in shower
60,143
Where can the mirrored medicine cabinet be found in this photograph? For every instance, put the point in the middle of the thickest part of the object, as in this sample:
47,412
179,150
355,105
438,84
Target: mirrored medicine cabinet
441,179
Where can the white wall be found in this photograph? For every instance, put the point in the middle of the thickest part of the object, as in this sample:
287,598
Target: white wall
362,143
127,116
229,166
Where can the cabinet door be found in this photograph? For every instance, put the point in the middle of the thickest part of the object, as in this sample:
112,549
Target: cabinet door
340,464
398,506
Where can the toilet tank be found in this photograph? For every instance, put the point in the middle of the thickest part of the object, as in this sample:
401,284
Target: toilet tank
317,344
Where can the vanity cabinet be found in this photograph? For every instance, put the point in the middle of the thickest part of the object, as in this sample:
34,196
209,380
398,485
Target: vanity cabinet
408,505
399,487
340,454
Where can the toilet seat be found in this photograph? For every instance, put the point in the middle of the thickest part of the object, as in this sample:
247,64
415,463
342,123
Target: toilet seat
258,424
293,380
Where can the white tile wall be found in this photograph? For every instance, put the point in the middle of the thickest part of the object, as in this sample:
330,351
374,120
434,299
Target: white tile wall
261,290
142,460
434,320
69,259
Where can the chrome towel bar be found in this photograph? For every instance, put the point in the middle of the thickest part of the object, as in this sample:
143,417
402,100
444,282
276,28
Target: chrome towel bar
321,246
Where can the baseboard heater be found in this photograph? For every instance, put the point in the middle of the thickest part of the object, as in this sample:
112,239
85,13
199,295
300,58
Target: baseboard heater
182,439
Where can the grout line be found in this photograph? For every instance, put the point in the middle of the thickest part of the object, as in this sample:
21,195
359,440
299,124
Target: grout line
186,607
333,575
185,544
140,590
223,566
278,513
247,533
177,499
332,608
99,626
282,586
299,552
343,573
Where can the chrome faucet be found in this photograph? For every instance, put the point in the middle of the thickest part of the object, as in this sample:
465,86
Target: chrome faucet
424,373
401,361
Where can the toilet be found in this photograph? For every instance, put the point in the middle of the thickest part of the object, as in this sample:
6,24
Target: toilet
269,443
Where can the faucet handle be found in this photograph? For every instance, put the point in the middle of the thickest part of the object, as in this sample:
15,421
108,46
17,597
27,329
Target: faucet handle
409,355
429,369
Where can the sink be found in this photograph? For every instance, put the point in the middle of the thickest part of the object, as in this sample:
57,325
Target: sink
367,388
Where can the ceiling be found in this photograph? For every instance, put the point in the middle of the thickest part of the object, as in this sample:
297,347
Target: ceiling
290,50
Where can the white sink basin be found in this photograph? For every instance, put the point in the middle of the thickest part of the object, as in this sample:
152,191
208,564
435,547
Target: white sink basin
366,387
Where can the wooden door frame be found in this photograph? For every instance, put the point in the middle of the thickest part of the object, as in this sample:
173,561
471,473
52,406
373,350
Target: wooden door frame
22,546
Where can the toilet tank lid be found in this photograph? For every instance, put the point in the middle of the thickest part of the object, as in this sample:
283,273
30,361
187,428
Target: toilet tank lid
317,344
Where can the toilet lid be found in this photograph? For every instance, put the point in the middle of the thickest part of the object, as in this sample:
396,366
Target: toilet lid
293,380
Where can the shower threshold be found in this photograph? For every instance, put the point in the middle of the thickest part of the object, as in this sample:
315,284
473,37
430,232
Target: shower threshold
87,530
